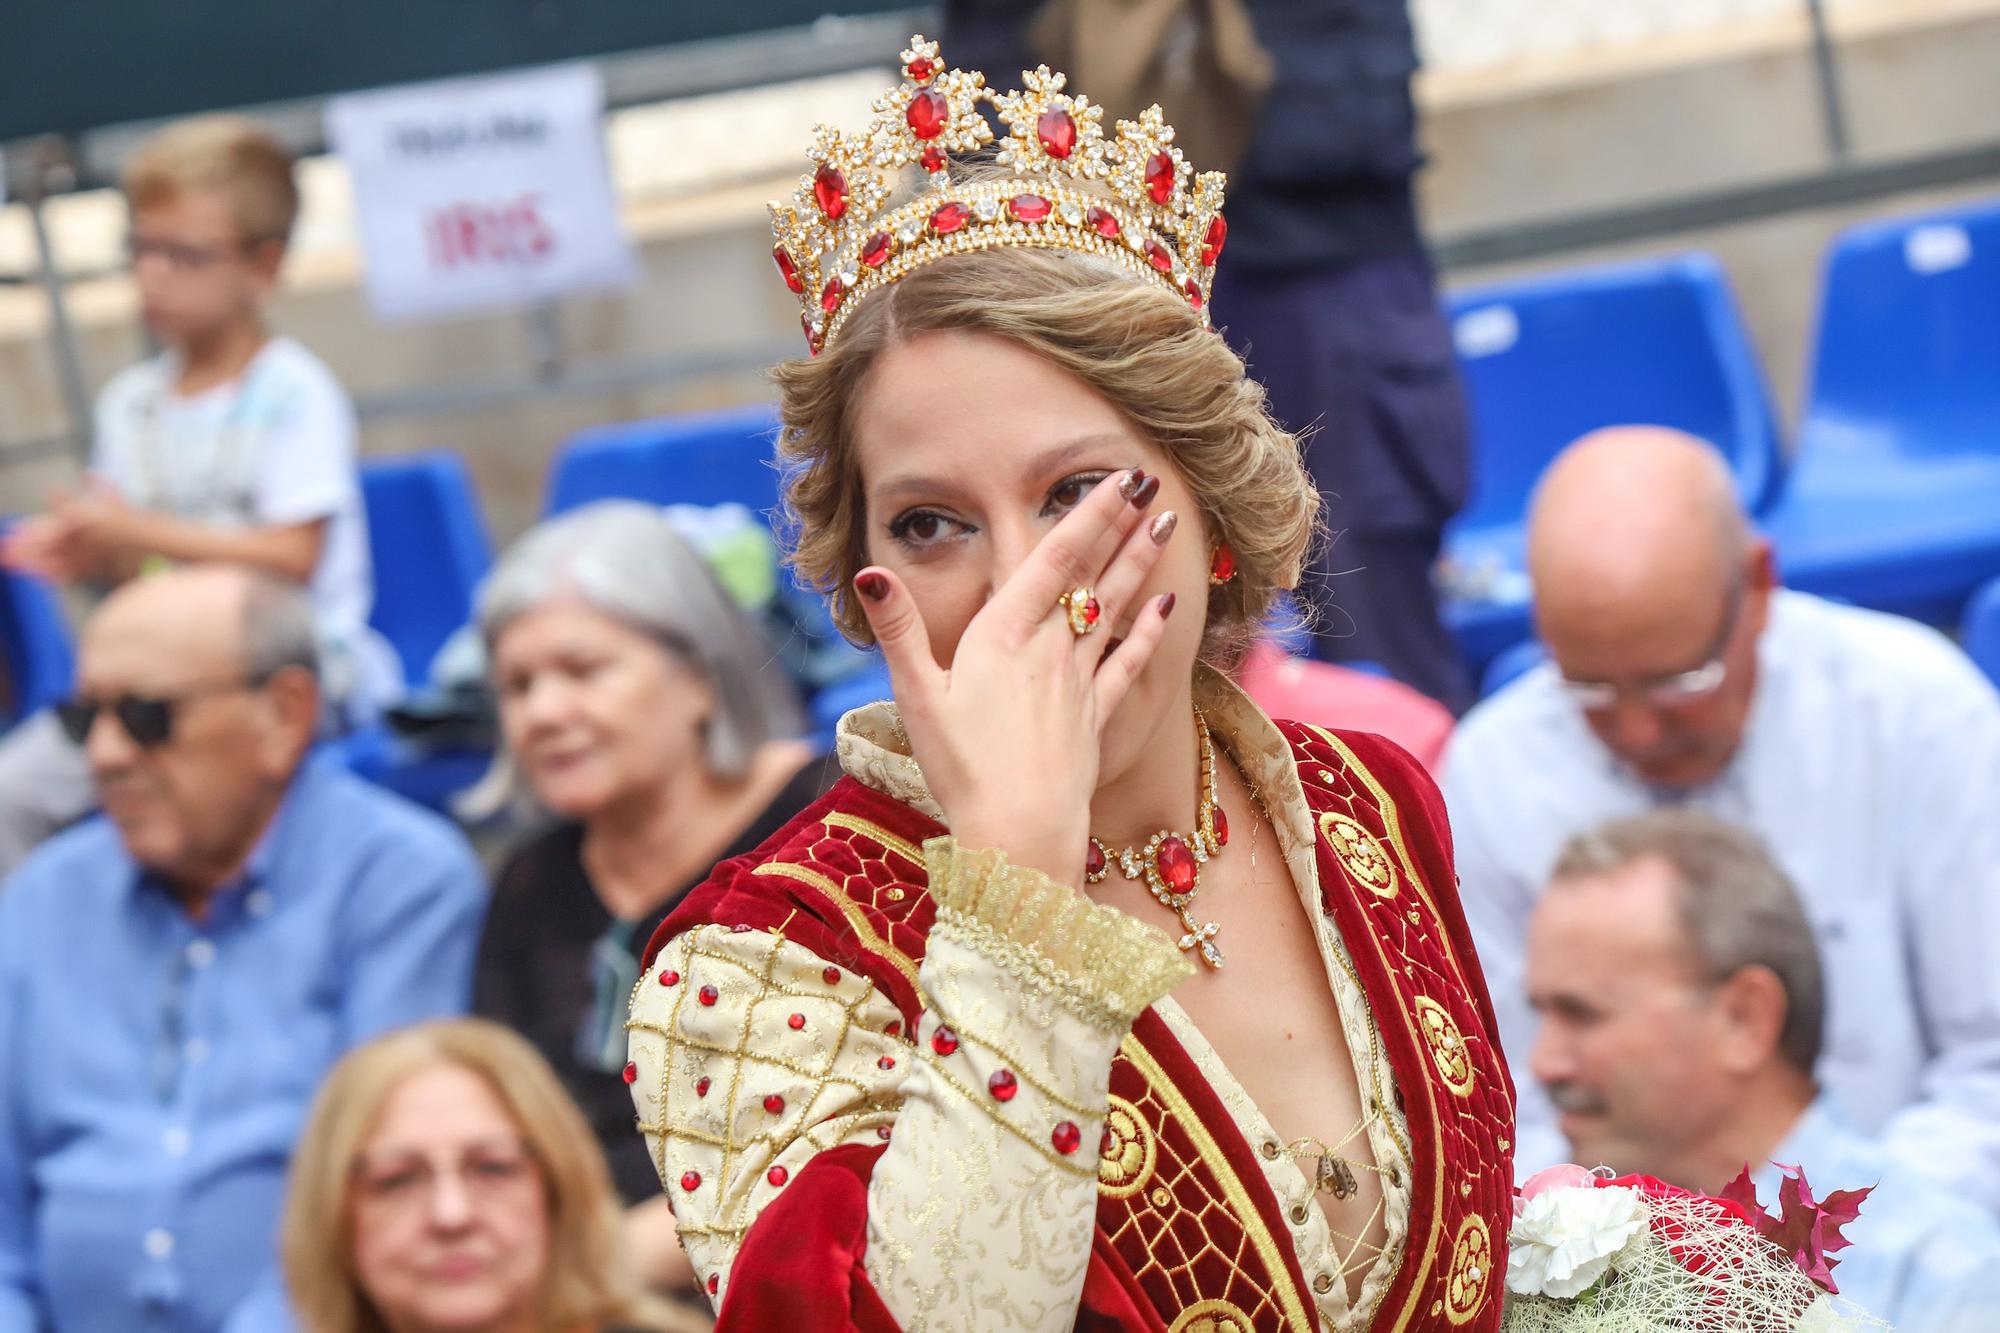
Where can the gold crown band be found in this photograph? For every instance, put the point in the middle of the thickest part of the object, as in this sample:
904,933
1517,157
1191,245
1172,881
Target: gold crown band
1130,198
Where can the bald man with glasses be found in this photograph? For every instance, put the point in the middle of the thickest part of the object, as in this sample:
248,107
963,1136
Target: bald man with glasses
176,976
1863,749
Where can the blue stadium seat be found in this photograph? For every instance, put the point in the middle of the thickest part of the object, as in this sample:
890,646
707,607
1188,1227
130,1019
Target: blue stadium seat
34,645
430,551
1979,632
1550,358
1894,499
704,458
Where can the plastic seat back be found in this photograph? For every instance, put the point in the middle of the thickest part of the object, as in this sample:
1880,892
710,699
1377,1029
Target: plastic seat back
702,458
429,548
1550,358
34,645
1907,360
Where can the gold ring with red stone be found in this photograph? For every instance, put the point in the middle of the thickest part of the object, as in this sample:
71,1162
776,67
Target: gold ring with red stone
1080,605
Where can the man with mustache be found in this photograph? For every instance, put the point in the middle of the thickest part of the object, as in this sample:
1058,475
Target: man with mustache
176,976
1863,750
1681,1004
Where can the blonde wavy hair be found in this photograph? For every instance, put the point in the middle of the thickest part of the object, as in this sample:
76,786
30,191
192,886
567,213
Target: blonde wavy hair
585,1285
1137,345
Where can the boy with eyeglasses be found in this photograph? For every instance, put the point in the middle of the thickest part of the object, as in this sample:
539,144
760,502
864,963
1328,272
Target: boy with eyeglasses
1863,749
230,445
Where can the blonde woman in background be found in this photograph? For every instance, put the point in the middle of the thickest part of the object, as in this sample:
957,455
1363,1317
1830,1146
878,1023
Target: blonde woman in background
446,1182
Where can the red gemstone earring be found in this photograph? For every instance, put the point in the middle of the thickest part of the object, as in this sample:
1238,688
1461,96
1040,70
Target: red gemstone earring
1221,564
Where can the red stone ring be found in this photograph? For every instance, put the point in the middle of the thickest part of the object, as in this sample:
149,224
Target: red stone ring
1080,605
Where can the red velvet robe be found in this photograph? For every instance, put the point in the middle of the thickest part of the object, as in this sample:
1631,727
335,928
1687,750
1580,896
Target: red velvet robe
846,880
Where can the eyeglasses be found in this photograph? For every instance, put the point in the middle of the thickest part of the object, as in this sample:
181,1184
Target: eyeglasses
485,1173
147,719
1674,691
182,257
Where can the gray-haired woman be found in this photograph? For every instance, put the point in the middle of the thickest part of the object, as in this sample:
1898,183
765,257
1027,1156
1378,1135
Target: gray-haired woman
644,711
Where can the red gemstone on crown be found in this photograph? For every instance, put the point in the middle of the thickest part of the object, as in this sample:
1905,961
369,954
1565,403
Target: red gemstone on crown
777,1175
701,1087
1066,1137
1103,220
944,1041
690,1181
932,159
788,269
829,297
921,68
831,976
1221,824
1160,176
631,1072
708,995
928,114
1193,290
1176,865
1056,128
670,978
948,218
774,1104
1093,858
1003,1085
1028,207
1211,244
1156,254
830,190
796,1022
894,1028
875,254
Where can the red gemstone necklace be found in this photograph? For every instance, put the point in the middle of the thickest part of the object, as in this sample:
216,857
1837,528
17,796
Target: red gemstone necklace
1171,862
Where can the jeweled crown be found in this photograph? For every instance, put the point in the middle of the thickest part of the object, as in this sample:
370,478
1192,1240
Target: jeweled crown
1128,197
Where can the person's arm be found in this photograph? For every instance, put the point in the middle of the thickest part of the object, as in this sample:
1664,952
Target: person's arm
126,538
412,930
1497,906
1950,893
17,1200
756,1090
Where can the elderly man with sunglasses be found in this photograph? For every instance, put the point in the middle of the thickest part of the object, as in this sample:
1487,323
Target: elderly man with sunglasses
176,976
1863,749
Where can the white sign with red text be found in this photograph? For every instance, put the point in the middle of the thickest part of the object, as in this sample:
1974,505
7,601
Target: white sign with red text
482,193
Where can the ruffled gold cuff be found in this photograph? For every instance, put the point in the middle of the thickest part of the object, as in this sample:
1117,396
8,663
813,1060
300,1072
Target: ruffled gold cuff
1103,965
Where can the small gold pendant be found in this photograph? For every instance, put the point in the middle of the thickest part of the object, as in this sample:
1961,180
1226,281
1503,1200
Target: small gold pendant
1336,1177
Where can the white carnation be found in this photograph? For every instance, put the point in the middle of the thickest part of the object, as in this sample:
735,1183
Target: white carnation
1564,1239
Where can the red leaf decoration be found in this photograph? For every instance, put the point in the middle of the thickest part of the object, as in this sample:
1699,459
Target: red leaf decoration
1809,1230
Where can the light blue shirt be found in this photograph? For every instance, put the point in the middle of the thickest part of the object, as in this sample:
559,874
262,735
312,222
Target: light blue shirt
155,1070
1868,766
1926,1260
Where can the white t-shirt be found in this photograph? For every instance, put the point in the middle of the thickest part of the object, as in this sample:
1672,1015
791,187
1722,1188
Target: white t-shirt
1869,765
274,447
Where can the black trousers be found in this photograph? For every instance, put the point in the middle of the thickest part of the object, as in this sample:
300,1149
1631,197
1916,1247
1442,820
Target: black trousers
1357,358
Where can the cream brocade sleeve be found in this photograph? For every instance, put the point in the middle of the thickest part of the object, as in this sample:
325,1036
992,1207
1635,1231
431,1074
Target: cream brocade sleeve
981,1209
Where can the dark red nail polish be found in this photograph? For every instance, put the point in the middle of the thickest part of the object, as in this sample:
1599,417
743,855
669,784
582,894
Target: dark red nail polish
872,585
1166,606
1133,480
1143,496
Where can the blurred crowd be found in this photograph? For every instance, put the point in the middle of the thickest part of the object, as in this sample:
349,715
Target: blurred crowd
278,1049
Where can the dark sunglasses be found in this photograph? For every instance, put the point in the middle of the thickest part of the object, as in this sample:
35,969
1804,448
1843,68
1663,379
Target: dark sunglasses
147,719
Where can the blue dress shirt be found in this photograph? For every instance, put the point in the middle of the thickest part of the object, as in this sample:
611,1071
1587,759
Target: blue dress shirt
1923,1258
156,1070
